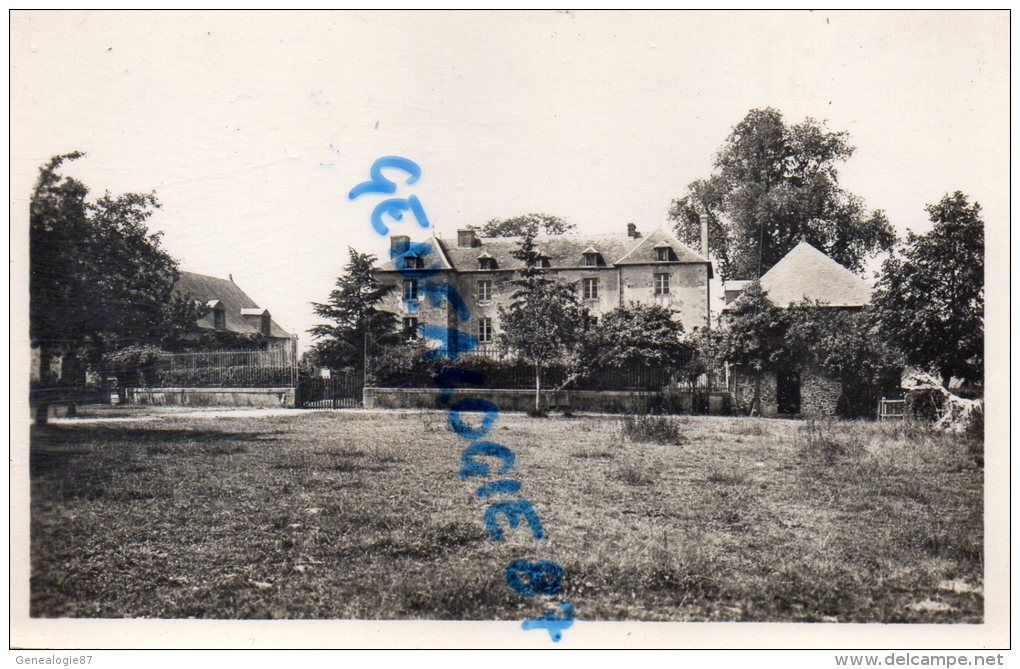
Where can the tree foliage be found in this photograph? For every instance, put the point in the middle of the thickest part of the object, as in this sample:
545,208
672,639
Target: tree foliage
774,185
520,226
545,319
930,301
99,280
642,333
356,323
755,332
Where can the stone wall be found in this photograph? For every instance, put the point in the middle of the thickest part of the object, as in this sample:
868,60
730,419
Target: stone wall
742,388
819,395
203,397
606,401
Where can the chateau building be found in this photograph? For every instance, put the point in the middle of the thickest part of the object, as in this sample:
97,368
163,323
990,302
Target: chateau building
610,270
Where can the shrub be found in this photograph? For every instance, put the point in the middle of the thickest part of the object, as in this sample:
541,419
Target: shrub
403,366
924,404
633,475
653,429
828,441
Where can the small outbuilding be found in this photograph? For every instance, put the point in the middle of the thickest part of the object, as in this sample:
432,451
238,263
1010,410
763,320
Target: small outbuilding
805,273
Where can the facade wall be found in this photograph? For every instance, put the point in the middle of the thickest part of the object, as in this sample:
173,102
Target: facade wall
688,290
421,308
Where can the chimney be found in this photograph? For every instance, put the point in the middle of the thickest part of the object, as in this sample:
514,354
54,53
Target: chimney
465,238
704,235
399,245
632,231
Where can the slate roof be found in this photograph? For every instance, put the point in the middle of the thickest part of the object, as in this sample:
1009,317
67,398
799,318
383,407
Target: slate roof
207,289
807,273
563,251
435,256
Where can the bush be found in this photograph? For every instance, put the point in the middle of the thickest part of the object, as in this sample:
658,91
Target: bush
829,441
924,404
403,366
653,429
976,426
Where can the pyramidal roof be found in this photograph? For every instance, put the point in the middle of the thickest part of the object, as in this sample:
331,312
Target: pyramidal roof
807,273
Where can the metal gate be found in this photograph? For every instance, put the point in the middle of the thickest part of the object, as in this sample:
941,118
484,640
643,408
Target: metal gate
338,391
891,409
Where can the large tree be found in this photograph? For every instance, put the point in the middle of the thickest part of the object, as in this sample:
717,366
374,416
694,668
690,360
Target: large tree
526,224
931,300
99,280
545,319
774,185
357,325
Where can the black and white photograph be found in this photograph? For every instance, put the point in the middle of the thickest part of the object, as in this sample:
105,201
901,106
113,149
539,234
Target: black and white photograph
491,328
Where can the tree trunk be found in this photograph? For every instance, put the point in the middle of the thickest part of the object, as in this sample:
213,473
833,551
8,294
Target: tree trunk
538,387
756,402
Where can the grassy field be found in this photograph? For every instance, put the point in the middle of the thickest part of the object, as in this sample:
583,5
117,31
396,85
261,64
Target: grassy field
362,515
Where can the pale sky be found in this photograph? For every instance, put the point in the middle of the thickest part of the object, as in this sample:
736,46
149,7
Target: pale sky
253,127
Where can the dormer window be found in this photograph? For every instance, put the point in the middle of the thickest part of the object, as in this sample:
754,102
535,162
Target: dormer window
592,258
543,261
266,324
485,261
413,262
663,253
219,314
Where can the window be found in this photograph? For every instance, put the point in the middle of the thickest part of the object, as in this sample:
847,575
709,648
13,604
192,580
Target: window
591,289
484,291
413,262
486,263
220,318
484,330
662,284
662,254
591,260
543,261
410,289
410,327
591,322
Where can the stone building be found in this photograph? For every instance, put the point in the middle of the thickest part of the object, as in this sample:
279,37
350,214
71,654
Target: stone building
610,270
230,309
805,273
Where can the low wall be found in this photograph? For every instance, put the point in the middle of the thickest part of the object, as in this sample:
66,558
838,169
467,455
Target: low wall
213,397
607,401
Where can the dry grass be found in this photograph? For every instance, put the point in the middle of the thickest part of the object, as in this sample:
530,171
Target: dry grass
355,515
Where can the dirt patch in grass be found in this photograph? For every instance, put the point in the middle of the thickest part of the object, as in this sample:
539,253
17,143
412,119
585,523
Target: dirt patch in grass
341,516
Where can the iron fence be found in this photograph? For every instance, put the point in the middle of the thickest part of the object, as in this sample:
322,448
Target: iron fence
272,368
